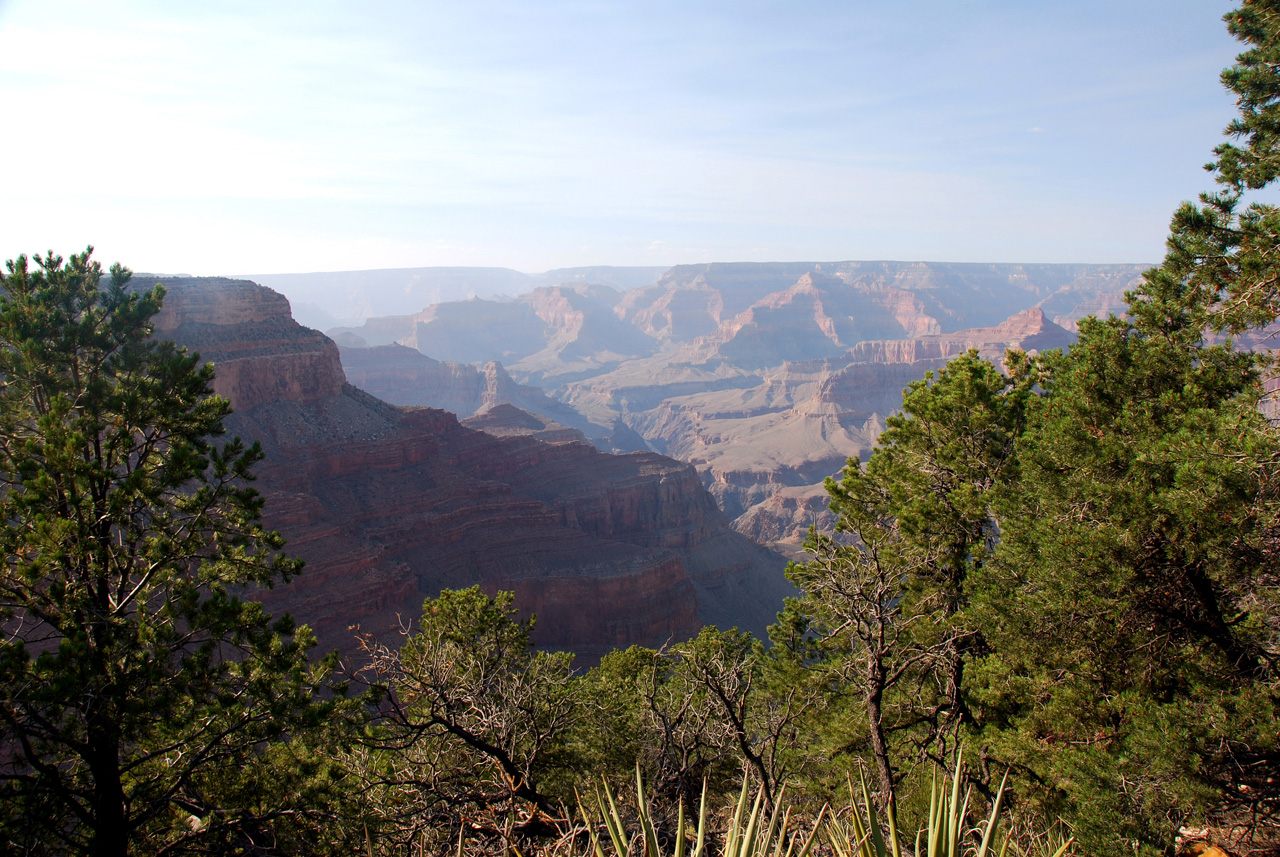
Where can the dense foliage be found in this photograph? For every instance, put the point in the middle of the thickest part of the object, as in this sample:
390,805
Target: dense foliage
1066,564
133,676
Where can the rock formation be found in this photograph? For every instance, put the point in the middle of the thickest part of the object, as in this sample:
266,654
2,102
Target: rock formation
389,505
349,297
552,334
765,377
693,300
401,375
262,355
507,420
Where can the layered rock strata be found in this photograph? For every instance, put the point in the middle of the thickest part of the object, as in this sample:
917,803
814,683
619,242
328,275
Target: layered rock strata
389,505
765,433
553,334
262,355
401,375
766,377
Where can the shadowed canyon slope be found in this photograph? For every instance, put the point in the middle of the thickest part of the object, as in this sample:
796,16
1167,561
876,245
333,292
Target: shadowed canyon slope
765,377
389,505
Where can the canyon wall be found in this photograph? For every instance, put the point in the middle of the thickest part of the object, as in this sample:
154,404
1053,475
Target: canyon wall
405,376
389,505
260,354
766,378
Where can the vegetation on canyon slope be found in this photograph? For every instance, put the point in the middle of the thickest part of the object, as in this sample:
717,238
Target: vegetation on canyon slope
1070,569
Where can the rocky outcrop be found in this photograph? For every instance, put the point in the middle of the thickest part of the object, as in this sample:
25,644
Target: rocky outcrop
764,439
389,505
507,420
783,517
1028,330
693,300
584,335
404,376
558,332
259,353
412,503
769,377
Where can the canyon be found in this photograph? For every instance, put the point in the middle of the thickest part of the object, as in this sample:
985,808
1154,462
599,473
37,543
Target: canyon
329,298
388,505
765,377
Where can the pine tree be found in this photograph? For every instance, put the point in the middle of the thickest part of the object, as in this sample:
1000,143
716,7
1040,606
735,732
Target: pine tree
1113,589
131,669
1134,600
1223,250
889,599
473,721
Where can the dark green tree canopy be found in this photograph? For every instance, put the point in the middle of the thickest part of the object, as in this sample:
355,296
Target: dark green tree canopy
130,667
1133,601
1224,247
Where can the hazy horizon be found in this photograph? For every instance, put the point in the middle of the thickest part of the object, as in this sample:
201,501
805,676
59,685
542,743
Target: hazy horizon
315,138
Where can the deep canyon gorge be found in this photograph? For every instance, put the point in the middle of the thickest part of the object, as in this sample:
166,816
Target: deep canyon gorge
632,462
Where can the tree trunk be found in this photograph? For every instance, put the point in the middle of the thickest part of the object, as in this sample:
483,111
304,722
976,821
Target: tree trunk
110,828
879,742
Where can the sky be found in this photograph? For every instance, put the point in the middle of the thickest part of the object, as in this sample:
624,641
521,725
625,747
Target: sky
250,137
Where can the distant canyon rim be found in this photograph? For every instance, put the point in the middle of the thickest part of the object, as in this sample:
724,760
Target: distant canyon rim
634,453
766,377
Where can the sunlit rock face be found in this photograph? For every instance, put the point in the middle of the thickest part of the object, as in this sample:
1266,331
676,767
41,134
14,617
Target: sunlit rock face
766,378
260,354
389,505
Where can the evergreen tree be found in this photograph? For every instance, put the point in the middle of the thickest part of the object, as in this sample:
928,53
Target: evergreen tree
1134,602
889,600
473,722
132,673
1109,587
1223,250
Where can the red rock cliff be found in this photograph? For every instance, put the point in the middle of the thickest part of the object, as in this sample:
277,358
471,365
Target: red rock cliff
259,352
390,505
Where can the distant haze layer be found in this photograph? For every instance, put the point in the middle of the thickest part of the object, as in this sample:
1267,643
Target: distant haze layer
766,377
331,298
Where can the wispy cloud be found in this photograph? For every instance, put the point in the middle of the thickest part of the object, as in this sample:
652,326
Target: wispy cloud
292,136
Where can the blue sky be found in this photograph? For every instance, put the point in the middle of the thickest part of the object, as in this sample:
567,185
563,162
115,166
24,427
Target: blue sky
231,137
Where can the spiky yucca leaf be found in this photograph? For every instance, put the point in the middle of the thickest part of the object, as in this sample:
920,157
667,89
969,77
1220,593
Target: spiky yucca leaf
750,834
754,831
863,837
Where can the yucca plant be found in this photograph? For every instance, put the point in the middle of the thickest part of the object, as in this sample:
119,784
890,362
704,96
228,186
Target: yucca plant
751,833
863,837
948,821
944,833
747,837
755,831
